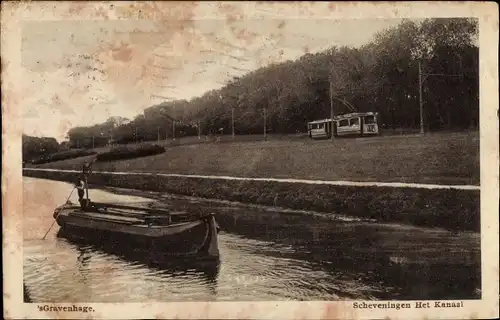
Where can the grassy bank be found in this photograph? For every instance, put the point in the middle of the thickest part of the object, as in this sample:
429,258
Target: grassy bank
451,209
440,158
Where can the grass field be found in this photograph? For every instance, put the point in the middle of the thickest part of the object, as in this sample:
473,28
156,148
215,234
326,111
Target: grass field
441,158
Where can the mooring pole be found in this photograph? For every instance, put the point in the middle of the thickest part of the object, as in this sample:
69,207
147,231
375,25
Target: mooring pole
86,171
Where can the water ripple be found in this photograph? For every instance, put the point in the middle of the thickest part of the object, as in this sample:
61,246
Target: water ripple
265,255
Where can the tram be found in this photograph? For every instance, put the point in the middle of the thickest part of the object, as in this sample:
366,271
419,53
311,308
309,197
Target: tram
350,124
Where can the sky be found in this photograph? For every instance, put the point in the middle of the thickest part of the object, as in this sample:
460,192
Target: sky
80,72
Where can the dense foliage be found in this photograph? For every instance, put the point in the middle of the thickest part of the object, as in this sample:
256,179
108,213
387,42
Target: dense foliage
129,152
35,147
63,155
382,76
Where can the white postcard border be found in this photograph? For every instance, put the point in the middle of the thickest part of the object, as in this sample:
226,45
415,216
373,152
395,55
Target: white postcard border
13,15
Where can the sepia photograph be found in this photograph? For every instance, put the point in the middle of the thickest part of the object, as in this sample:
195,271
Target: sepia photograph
251,152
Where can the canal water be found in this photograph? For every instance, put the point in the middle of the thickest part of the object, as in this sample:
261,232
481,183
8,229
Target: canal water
266,254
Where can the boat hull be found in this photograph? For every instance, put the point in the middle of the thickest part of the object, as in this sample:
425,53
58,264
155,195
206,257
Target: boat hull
196,238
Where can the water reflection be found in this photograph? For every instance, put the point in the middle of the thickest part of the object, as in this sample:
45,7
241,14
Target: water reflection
391,261
76,272
208,270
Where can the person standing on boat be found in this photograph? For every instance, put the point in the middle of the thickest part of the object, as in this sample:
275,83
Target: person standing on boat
80,186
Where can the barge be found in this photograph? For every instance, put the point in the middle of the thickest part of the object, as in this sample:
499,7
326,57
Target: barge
160,233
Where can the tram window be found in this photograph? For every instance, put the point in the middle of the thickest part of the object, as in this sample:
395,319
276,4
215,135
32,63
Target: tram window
354,122
343,123
369,119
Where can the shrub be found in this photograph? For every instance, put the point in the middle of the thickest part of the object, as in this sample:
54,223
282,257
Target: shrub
129,152
63,155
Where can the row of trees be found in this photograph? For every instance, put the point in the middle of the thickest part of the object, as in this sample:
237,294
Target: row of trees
382,76
35,147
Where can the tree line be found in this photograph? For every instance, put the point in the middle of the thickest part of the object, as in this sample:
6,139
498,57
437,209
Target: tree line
381,76
35,147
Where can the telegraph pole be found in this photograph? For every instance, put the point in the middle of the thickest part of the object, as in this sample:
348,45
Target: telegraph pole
265,123
421,103
331,107
232,121
199,130
173,129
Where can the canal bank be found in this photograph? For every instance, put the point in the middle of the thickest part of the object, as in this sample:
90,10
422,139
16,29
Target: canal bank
449,208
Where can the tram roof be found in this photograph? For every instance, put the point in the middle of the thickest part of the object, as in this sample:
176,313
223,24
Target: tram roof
345,116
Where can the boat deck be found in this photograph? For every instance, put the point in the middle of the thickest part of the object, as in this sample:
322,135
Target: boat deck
131,216
108,217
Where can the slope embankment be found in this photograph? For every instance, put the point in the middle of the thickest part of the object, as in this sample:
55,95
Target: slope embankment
450,207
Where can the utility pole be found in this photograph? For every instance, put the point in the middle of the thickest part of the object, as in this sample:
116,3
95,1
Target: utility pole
232,121
158,132
421,103
173,129
199,130
265,124
93,142
332,127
